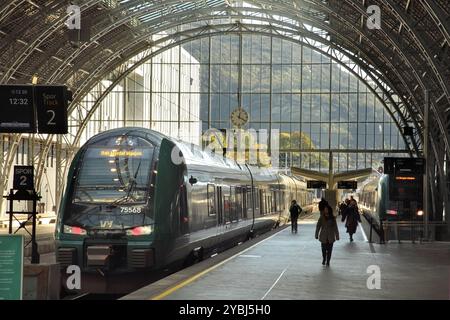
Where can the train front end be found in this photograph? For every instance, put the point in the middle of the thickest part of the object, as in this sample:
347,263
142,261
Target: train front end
106,220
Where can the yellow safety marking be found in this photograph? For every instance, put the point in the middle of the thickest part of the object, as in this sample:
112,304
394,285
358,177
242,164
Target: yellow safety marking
198,275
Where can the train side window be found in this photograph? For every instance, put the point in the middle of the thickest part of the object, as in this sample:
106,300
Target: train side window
211,196
262,199
239,203
269,204
226,205
219,206
233,204
256,200
244,202
249,204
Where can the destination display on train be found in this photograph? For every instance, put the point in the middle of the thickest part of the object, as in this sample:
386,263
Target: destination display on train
121,153
16,109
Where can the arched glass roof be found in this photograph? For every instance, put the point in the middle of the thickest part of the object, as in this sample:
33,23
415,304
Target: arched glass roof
407,58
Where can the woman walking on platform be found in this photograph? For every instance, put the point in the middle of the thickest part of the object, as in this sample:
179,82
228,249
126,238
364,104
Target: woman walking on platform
326,231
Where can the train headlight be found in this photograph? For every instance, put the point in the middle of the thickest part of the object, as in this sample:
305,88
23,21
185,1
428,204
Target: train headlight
140,231
74,230
420,213
391,212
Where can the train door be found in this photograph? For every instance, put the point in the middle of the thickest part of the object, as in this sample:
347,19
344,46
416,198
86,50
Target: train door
184,213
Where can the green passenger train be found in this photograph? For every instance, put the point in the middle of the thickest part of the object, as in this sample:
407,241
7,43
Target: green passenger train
136,199
392,197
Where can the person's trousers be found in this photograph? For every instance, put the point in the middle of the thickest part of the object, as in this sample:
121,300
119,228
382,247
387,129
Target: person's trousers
294,225
327,249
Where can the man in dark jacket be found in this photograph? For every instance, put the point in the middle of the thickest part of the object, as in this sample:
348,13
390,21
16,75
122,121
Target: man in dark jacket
295,211
351,214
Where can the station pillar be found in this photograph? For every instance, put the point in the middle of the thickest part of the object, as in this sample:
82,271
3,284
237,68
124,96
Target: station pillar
331,197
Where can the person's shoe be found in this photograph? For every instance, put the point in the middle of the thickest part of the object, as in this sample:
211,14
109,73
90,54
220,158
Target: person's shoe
328,264
323,262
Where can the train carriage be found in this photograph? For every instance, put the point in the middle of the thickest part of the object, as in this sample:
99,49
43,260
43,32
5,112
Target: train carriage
392,197
137,199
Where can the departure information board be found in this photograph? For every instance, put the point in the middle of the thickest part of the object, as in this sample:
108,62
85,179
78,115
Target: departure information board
353,185
16,109
312,184
404,165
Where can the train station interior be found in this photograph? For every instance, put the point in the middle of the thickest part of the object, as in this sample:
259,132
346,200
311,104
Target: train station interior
186,129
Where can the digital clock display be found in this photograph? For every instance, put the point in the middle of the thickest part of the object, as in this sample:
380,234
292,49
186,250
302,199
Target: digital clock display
18,101
17,114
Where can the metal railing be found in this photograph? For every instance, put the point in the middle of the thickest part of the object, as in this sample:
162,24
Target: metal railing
415,230
403,230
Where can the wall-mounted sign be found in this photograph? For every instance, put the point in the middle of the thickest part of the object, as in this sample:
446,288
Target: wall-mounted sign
11,267
51,105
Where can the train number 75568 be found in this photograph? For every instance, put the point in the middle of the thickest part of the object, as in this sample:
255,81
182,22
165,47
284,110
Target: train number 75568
129,210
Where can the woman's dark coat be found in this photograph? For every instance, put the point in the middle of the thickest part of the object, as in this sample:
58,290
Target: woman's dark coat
327,230
351,216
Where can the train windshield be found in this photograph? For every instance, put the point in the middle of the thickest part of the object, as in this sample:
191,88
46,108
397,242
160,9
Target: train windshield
115,172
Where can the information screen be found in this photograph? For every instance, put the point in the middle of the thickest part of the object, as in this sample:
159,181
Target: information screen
348,185
316,184
404,165
16,109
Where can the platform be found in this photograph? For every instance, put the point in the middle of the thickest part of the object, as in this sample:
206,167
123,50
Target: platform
288,266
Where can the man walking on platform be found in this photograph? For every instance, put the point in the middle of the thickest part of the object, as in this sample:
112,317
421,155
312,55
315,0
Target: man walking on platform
295,211
351,214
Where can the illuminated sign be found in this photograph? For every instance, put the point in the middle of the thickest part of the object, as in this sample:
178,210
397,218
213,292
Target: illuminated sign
405,178
121,153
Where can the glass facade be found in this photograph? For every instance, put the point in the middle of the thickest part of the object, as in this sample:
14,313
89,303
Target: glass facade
315,103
